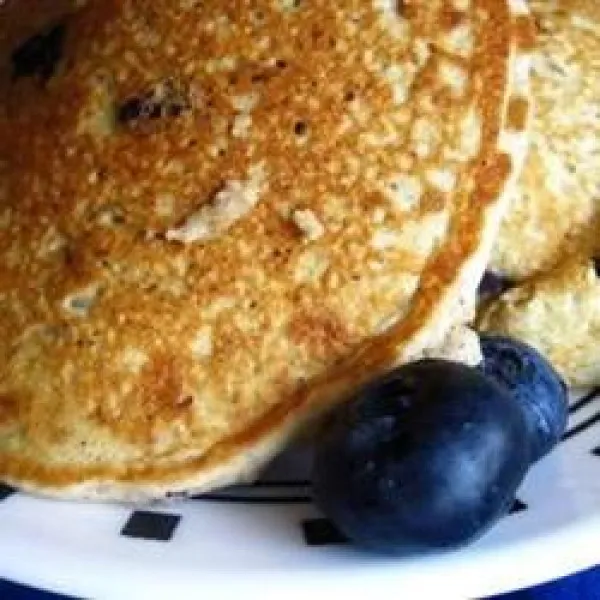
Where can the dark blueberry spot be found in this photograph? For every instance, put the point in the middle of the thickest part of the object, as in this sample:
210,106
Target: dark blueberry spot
596,451
130,110
39,55
300,128
596,262
151,526
136,109
281,64
493,285
350,96
152,106
518,506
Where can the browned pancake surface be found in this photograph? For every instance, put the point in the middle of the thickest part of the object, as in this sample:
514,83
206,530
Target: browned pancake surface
215,218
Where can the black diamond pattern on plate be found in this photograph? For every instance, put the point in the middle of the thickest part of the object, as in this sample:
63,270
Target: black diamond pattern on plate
584,401
518,506
263,492
589,422
583,426
322,532
5,491
148,525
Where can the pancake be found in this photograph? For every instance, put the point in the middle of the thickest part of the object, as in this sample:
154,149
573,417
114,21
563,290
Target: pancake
559,314
558,193
217,221
550,237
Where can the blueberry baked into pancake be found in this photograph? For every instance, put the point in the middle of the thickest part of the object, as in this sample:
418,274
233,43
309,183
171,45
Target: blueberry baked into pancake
549,240
218,219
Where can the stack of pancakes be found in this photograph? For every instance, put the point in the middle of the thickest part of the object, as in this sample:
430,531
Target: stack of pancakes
218,219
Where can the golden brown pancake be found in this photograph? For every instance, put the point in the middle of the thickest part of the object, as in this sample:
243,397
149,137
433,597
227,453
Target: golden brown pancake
217,220
551,234
558,193
559,314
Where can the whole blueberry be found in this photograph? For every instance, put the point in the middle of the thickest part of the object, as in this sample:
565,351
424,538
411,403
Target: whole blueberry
427,458
530,378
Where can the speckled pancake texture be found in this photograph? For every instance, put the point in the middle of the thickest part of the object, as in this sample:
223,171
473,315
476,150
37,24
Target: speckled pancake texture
218,218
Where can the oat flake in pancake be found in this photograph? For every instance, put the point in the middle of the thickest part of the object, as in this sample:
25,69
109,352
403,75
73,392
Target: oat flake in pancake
218,219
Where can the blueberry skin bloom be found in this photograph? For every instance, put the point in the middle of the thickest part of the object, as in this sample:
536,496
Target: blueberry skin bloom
538,388
427,458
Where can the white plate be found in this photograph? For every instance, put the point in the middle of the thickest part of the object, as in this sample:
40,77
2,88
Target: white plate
232,547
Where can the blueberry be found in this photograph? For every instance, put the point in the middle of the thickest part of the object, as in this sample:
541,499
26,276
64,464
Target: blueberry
530,378
39,55
132,109
151,106
596,263
493,285
427,458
